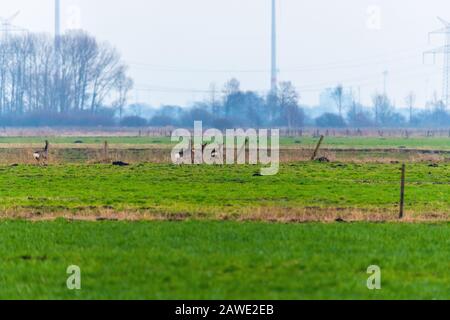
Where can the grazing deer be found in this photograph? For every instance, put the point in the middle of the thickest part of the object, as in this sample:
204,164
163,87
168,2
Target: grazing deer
41,155
179,155
214,152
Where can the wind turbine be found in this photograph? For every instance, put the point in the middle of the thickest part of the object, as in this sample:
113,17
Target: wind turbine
57,22
274,70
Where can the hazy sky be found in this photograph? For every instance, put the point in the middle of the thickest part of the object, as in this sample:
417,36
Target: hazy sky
177,48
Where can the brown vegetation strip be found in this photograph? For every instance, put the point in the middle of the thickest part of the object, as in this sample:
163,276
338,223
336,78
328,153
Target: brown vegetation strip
139,154
271,215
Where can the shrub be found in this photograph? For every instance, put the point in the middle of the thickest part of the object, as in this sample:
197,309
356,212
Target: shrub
330,120
36,119
133,121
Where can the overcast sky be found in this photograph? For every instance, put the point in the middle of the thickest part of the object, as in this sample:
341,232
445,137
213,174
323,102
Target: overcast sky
177,48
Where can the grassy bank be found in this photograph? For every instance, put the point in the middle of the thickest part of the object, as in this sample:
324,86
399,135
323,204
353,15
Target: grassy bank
223,260
210,191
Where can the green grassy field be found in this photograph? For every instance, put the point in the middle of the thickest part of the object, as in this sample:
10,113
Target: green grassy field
209,191
215,251
223,260
330,142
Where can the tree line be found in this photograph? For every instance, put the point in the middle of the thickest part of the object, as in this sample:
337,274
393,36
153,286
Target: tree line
74,76
238,108
233,107
76,80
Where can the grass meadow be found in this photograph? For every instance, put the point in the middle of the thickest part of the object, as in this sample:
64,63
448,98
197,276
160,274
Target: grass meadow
153,230
301,191
223,260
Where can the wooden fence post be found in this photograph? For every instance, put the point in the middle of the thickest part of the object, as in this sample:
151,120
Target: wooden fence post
317,148
105,151
402,192
244,149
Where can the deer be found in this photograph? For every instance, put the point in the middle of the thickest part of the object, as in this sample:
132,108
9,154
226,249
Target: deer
214,152
41,155
179,155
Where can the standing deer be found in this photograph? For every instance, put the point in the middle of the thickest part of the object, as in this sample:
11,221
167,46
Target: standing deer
41,155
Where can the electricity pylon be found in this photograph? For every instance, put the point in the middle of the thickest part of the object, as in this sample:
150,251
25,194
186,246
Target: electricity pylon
6,26
445,50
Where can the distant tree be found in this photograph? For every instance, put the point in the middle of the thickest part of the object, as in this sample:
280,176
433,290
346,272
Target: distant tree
133,121
330,120
174,112
197,114
231,96
222,123
36,78
253,105
437,114
136,109
410,100
162,121
167,116
337,95
244,108
385,114
231,87
123,85
354,108
360,118
382,108
395,120
288,101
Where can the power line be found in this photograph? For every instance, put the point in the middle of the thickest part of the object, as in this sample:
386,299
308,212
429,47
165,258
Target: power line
346,64
315,87
186,70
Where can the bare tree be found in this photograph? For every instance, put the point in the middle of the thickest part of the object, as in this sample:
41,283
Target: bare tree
355,110
230,92
231,87
124,85
85,75
337,95
288,101
382,108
